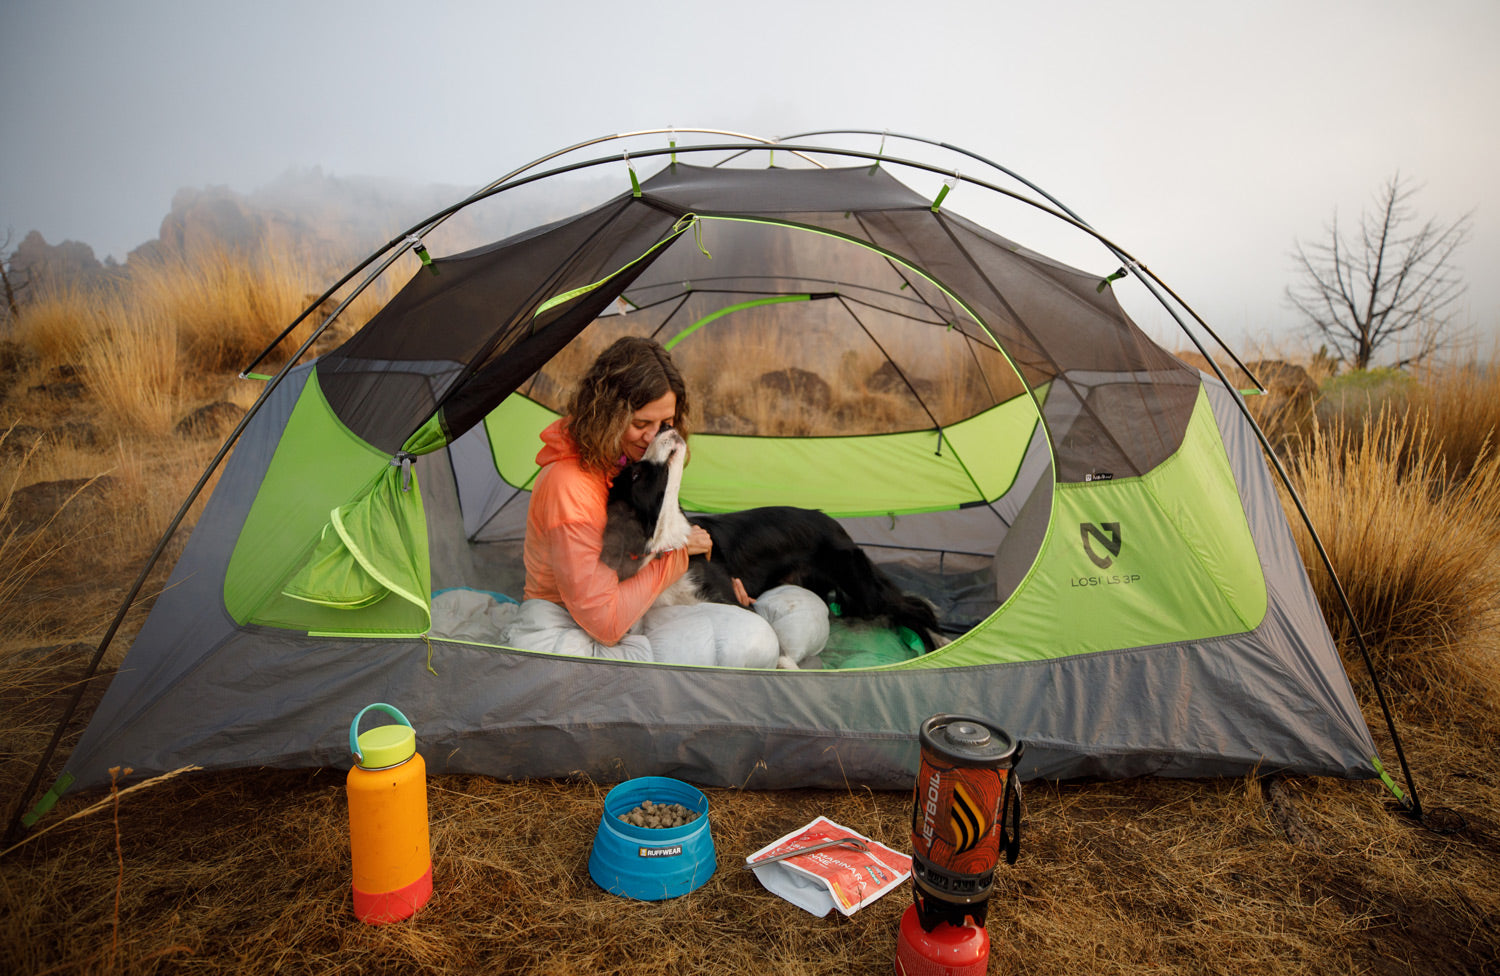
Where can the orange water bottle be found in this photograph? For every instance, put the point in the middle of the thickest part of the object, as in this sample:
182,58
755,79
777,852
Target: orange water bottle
388,835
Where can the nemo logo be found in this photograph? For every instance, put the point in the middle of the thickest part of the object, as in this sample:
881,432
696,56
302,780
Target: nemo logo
1111,542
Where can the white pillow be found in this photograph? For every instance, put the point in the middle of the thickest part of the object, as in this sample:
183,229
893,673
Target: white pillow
800,620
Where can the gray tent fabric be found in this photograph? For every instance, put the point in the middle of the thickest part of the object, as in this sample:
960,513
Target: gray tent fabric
212,693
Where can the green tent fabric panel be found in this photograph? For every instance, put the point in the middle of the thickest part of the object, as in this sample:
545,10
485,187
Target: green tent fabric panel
843,476
514,430
992,444
917,471
373,547
318,465
1134,562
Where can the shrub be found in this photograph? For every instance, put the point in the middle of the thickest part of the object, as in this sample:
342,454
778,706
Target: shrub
1412,547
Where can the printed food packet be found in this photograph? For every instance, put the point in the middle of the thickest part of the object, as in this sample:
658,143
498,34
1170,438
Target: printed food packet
833,877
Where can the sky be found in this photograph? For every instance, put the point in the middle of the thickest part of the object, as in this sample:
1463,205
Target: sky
1205,138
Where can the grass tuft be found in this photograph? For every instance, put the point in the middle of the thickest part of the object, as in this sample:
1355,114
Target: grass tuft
1413,546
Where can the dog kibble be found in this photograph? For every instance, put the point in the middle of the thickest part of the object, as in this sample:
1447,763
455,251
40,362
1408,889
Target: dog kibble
659,816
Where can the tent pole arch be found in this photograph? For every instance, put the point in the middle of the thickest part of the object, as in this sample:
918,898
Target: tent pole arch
1131,262
411,236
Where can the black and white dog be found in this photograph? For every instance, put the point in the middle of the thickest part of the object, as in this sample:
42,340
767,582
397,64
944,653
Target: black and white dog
763,547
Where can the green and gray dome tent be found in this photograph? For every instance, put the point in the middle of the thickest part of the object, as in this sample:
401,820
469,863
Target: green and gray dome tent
1094,519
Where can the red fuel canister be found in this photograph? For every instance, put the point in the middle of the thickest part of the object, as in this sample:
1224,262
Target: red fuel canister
946,950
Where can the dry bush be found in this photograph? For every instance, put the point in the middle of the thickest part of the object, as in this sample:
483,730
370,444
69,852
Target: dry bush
224,306
62,321
24,552
132,368
1459,409
1413,549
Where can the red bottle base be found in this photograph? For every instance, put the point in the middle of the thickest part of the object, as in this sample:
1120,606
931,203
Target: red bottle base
393,906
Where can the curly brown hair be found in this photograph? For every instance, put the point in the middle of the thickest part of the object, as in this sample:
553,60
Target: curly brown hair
631,373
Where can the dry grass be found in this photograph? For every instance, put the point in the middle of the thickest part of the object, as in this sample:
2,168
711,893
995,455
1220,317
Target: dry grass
826,393
248,871
1413,548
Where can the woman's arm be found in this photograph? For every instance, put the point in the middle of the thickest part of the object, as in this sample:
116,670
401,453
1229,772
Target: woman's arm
602,605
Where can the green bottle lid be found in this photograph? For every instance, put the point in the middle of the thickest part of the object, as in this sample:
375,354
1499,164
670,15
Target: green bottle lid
386,745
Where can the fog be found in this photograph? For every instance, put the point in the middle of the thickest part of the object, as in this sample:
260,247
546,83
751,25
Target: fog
1203,138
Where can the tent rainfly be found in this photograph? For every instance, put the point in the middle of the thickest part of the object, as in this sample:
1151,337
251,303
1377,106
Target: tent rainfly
1094,520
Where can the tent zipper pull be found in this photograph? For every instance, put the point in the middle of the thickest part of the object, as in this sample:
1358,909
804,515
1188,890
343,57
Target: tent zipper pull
403,460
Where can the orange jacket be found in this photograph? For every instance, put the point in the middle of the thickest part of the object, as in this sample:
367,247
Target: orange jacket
564,534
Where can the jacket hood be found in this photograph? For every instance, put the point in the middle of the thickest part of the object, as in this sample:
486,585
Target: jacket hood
556,445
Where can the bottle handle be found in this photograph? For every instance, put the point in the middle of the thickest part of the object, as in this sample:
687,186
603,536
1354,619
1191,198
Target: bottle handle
390,710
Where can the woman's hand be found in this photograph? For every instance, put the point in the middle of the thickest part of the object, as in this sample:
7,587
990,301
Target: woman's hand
699,543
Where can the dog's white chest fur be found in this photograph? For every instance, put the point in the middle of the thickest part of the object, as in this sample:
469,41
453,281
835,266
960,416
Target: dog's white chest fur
672,526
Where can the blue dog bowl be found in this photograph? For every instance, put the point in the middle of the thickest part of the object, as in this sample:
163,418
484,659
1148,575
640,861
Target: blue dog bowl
646,863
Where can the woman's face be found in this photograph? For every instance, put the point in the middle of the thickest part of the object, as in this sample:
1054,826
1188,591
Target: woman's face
646,423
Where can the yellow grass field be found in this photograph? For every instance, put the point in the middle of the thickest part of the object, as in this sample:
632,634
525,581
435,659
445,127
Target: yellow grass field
249,872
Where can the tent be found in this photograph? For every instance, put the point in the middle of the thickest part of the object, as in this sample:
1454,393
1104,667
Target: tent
1094,520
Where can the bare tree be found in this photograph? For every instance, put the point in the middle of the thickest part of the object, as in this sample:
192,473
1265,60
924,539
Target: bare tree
8,282
1392,285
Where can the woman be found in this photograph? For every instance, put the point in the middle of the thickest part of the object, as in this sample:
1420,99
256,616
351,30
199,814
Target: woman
574,603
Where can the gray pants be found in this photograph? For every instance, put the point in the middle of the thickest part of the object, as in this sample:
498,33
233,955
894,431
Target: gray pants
703,634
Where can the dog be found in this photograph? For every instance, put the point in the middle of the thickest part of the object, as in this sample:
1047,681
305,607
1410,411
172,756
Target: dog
762,547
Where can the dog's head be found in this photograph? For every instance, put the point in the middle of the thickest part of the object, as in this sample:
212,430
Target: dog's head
646,491
641,485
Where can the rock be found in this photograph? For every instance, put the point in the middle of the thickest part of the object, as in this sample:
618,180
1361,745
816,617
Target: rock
887,379
36,505
78,433
60,389
14,358
37,264
214,420
799,384
20,440
728,423
1281,804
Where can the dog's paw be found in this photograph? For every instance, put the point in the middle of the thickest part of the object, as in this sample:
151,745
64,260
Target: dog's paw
785,663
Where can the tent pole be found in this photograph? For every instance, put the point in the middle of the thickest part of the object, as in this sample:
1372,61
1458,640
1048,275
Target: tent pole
1050,199
12,831
1414,806
434,222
